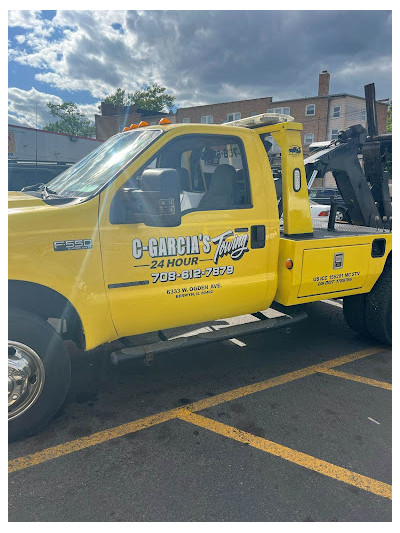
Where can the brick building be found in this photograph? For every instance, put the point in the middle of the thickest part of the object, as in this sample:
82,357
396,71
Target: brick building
224,112
322,116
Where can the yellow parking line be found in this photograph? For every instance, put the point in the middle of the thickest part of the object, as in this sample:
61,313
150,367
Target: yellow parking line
279,380
96,438
91,440
360,379
299,458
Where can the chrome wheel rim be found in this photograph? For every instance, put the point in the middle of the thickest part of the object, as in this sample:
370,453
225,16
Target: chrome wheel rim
25,378
339,216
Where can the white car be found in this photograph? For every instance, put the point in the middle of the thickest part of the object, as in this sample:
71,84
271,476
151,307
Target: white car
318,211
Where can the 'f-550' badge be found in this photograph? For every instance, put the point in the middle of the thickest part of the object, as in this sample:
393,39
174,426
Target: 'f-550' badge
74,244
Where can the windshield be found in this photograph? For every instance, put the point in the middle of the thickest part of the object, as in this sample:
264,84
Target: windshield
91,173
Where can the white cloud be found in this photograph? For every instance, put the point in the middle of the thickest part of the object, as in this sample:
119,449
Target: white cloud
205,57
28,108
20,38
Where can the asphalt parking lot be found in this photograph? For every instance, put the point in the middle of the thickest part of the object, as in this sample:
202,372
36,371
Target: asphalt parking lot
277,427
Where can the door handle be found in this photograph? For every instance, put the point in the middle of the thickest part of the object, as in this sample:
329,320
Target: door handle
257,236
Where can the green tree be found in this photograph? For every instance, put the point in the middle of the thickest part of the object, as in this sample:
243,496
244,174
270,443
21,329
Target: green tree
389,119
152,97
119,98
71,121
389,130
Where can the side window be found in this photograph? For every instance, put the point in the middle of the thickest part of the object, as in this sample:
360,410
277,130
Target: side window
212,170
308,138
135,181
334,134
310,109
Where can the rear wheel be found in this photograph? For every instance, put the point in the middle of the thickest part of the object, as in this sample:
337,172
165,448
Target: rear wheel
378,308
354,313
39,373
371,314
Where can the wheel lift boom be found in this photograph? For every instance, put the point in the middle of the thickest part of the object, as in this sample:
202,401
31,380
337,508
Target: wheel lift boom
365,192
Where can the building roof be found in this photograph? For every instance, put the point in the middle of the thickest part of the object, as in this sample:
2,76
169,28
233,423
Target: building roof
229,102
338,95
52,132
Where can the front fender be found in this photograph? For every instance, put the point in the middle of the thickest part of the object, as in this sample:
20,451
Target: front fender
76,274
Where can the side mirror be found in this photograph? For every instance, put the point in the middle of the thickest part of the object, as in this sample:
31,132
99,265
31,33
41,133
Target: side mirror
157,203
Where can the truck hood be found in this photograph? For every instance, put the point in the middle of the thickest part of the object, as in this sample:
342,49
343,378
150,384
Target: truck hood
23,199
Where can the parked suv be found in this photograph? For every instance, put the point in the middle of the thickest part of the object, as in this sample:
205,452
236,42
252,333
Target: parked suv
322,195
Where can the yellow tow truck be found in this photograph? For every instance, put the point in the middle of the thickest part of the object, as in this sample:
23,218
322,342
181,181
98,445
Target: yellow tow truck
169,225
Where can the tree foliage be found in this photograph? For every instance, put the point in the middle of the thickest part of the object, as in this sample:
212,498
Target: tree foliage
119,98
70,120
152,97
389,119
389,130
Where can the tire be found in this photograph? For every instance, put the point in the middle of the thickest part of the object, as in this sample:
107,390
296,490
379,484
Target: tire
354,313
340,215
378,308
33,340
370,314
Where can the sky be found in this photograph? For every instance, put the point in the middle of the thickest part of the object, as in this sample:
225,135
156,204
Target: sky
201,57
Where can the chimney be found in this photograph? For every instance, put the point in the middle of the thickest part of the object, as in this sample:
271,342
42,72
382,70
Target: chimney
323,86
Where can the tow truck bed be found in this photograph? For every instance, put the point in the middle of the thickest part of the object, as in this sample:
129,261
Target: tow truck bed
332,264
320,231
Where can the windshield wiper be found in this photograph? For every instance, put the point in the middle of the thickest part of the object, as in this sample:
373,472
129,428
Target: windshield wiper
36,187
48,192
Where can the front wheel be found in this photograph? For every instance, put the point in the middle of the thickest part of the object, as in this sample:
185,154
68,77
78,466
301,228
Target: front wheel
39,373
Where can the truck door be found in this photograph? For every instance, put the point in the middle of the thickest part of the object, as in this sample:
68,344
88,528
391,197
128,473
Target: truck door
213,265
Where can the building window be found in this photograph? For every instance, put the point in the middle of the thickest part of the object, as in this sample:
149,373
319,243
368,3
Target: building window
207,119
280,110
308,138
253,113
364,115
186,120
336,111
310,109
233,116
334,134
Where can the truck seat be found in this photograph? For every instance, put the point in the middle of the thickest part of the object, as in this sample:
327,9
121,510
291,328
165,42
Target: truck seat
183,176
221,192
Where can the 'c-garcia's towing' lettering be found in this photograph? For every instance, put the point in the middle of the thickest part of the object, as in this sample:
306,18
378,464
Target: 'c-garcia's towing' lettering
193,245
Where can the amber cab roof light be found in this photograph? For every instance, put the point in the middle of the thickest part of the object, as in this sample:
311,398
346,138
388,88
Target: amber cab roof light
133,126
164,121
126,128
143,123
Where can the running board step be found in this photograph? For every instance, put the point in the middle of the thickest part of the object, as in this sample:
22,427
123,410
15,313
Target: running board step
148,351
